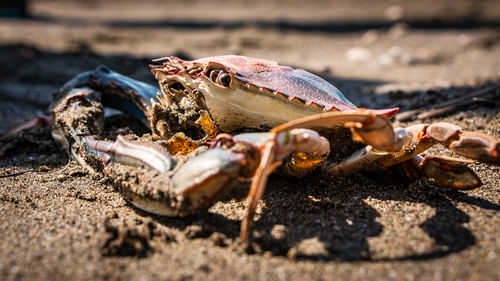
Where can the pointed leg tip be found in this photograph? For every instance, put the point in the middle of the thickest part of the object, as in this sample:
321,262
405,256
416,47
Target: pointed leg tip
448,173
495,154
389,112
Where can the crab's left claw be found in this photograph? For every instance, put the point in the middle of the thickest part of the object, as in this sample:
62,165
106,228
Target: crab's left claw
175,188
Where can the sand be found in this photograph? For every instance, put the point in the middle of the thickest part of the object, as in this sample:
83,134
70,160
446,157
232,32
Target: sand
60,223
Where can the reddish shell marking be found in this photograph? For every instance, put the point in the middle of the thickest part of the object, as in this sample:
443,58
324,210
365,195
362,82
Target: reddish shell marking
292,83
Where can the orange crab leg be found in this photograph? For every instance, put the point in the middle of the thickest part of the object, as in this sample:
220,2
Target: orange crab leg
266,167
366,125
472,145
278,147
445,172
42,121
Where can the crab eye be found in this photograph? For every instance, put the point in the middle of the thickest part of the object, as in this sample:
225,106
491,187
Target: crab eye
212,74
218,74
224,79
219,77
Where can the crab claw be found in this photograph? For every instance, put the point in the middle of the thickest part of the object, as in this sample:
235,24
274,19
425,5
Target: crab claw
132,153
179,191
120,91
203,177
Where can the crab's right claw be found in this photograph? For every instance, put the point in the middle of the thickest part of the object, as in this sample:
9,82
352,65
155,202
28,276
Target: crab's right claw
119,91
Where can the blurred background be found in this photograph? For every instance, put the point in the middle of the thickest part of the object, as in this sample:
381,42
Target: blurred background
349,38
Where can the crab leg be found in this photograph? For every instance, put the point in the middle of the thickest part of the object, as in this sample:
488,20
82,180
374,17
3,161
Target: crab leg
387,147
472,145
119,91
446,172
266,167
367,127
278,147
39,121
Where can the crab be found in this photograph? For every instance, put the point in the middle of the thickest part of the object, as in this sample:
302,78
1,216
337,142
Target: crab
222,119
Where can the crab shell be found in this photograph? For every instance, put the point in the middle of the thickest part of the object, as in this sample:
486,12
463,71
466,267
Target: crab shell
245,92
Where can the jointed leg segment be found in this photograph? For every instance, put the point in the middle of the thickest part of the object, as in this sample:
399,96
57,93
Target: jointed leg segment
445,171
